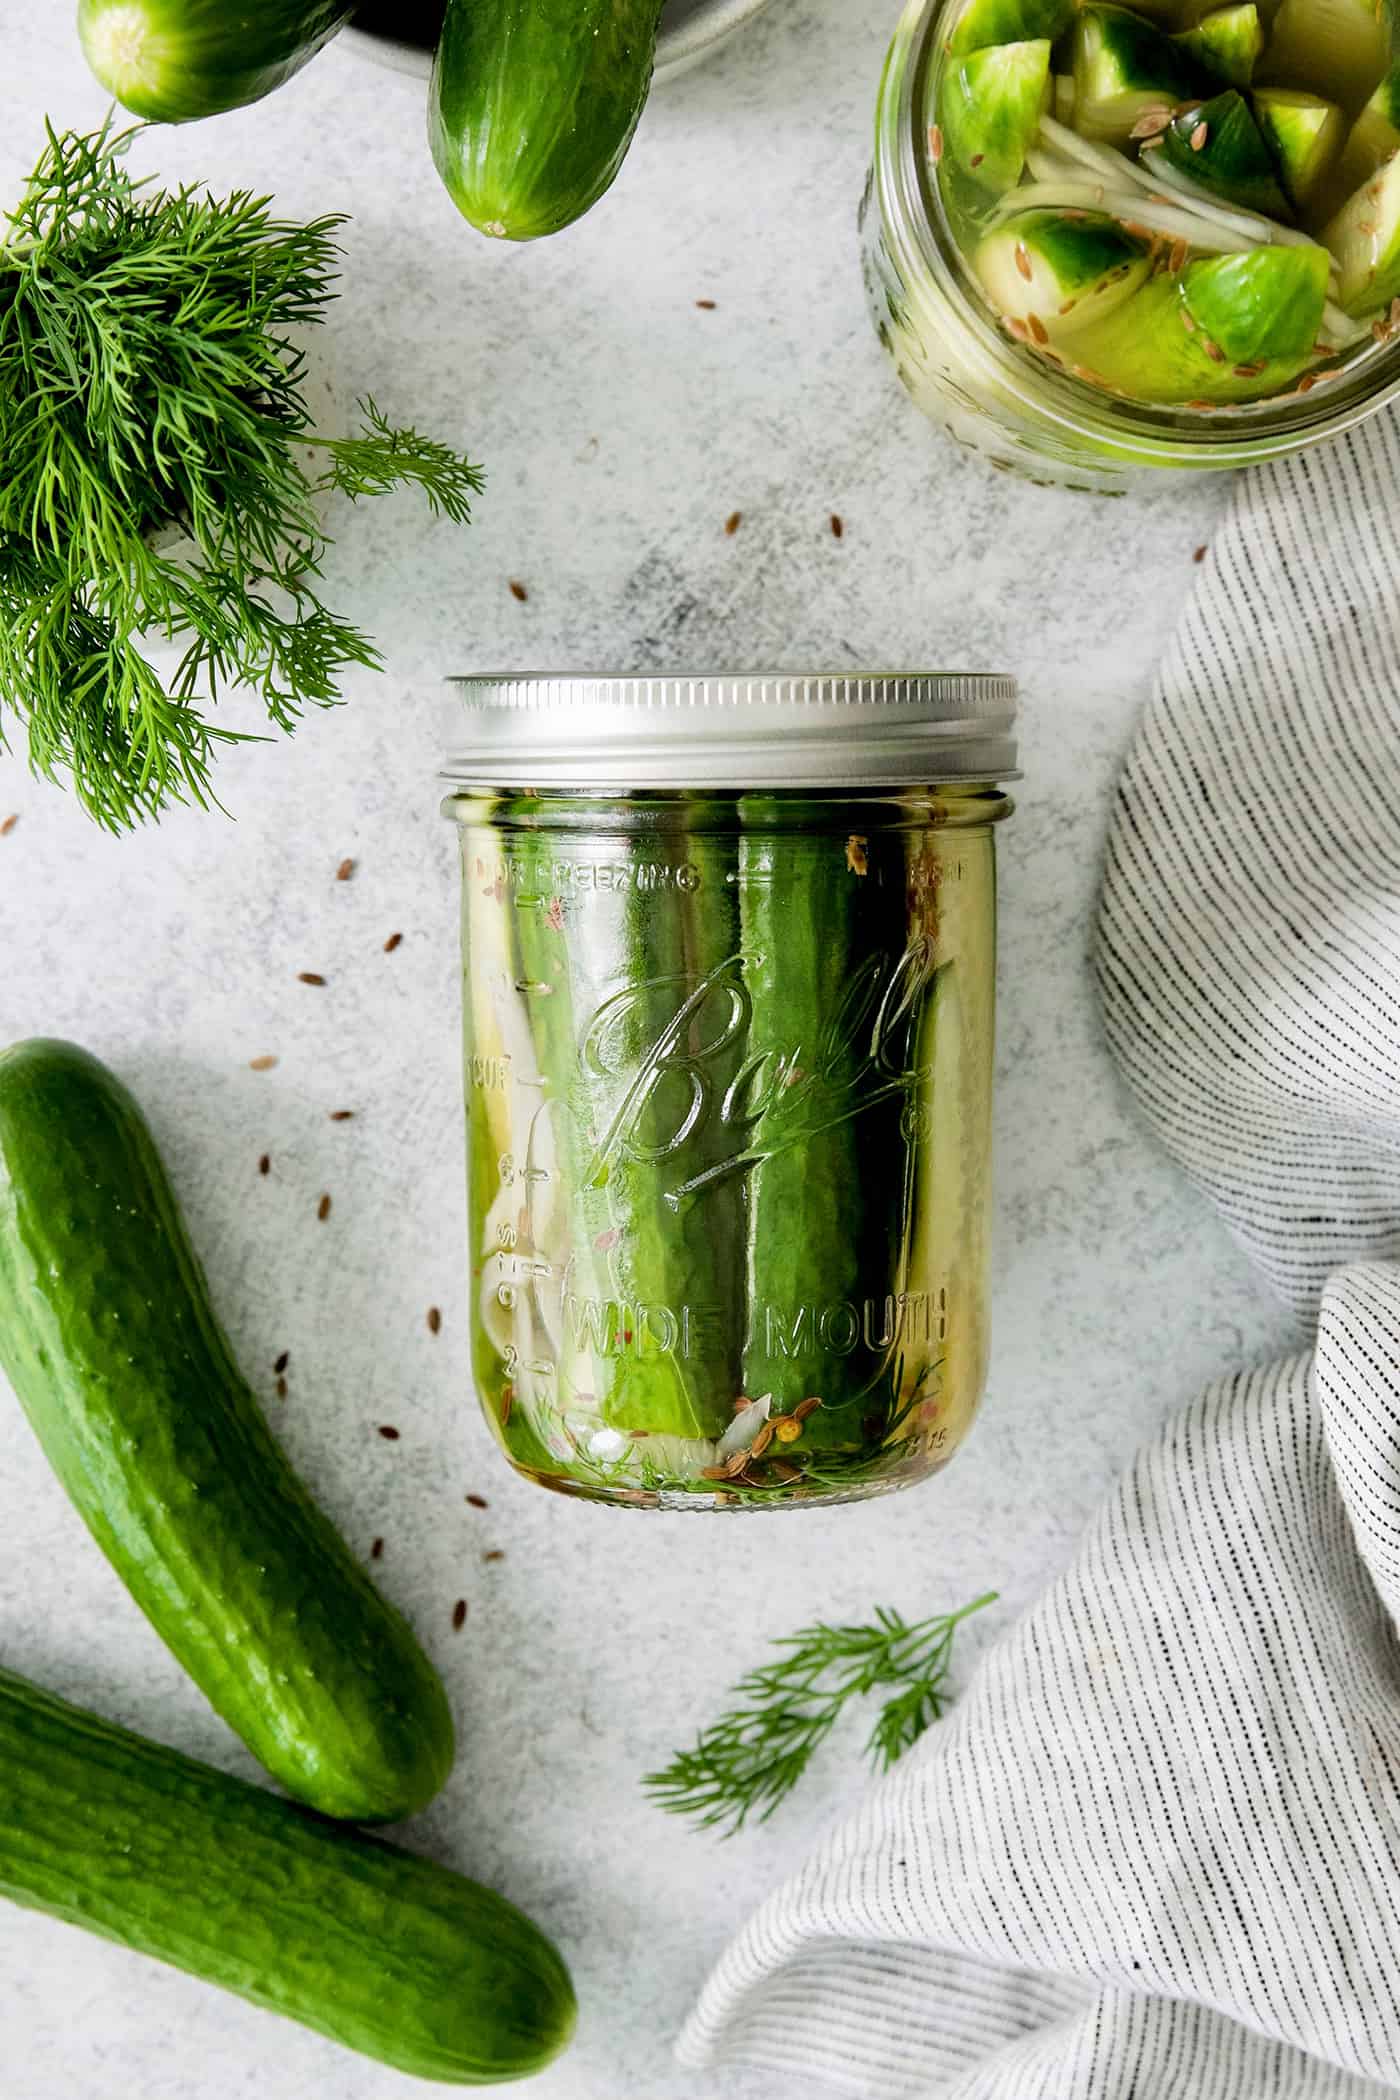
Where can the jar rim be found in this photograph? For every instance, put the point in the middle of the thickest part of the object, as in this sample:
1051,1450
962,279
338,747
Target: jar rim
1240,434
754,731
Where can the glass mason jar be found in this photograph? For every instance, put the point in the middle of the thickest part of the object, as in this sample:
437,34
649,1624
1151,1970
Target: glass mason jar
729,963
1007,399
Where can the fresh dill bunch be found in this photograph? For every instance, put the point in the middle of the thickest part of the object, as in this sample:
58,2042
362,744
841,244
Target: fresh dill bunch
750,1760
150,379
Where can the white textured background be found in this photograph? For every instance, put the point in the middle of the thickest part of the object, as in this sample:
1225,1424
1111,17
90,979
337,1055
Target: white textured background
620,426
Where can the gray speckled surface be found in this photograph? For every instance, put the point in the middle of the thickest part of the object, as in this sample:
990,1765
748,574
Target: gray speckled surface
621,426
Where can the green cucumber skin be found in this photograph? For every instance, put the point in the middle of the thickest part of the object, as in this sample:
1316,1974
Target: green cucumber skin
109,1339
533,105
203,57
846,1180
384,1952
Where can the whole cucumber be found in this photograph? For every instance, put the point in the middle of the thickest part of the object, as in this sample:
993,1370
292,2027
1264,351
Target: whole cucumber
383,1952
175,60
533,105
115,1352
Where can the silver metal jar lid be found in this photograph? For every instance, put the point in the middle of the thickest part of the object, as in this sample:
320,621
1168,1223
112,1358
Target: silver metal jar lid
829,730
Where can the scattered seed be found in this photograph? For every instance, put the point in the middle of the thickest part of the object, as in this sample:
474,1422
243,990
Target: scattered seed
706,305
323,1209
1213,350
1068,307
281,1388
1017,328
459,1615
388,1432
761,1441
434,1320
1206,405
806,1407
787,1429
636,1436
1247,371
1306,383
1176,261
376,1550
392,943
733,522
342,1115
345,871
1199,137
265,1163
261,1064
282,1362
977,160
935,143
1381,331
498,1552
741,1403
518,591
714,1473
310,977
479,1501
1023,260
735,1465
857,858
8,826
838,526
1037,328
1199,555
507,1403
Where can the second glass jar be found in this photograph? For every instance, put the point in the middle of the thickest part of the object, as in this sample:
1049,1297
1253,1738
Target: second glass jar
729,1068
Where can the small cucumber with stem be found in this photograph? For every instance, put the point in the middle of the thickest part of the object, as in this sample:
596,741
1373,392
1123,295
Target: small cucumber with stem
109,1338
177,60
386,1953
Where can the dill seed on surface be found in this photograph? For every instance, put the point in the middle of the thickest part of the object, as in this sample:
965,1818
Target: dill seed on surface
733,522
478,1502
281,1388
392,943
1199,555
282,1362
434,1320
459,1615
265,1163
935,143
388,1432
838,525
706,305
345,871
310,977
518,591
8,826
1023,260
377,1549
261,1064
341,1115
496,1553
323,1209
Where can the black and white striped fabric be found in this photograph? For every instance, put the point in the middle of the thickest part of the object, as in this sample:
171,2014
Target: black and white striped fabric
1154,1854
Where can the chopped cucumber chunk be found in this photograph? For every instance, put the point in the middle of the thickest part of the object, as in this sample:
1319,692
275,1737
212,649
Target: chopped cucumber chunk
1304,135
1150,349
1336,48
990,108
1373,138
1365,239
1266,304
1053,272
985,22
1226,44
1122,68
1218,145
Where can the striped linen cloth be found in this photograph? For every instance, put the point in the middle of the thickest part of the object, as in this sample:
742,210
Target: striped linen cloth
1154,1853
